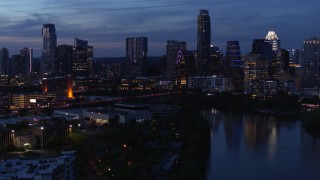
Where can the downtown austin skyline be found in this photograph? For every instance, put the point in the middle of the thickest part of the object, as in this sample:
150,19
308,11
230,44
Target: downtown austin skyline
106,24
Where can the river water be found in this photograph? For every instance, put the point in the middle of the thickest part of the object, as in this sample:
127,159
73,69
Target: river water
259,147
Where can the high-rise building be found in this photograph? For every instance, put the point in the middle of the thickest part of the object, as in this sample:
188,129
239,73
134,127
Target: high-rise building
255,71
82,58
27,57
296,56
136,56
311,63
263,47
234,64
4,61
216,59
175,50
49,36
203,42
18,66
285,58
64,60
111,71
274,40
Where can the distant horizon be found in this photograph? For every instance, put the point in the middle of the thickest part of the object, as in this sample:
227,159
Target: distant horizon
106,24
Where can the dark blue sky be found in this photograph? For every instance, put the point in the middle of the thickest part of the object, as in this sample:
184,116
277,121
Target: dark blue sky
106,23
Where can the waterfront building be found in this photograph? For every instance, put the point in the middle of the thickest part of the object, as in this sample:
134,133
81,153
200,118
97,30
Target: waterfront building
271,87
210,83
47,62
203,42
136,56
234,64
311,63
255,71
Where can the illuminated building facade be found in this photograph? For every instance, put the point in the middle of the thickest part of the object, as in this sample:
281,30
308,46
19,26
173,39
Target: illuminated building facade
234,64
112,71
311,63
20,101
271,87
45,132
4,80
210,83
49,36
62,86
136,56
82,58
174,55
274,40
255,71
203,42
181,71
4,61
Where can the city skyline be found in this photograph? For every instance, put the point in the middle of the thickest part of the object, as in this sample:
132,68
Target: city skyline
106,25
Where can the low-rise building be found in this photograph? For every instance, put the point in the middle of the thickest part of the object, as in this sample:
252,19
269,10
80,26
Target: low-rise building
58,167
210,83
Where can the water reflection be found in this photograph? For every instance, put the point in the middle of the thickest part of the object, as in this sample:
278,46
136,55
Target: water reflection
260,147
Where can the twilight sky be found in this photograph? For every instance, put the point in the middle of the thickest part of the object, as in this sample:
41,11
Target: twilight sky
106,23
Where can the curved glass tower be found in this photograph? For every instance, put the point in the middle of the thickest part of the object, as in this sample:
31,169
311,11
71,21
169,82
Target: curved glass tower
49,37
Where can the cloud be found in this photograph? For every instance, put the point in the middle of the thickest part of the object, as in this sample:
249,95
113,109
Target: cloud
105,24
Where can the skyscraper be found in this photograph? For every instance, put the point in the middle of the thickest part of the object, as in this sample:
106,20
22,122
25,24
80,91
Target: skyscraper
64,60
203,42
47,63
263,47
173,50
234,64
274,40
296,56
136,56
82,58
216,59
4,61
27,57
255,71
311,63
22,63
